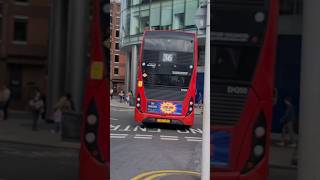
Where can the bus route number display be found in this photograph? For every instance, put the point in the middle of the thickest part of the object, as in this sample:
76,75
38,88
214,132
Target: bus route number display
168,57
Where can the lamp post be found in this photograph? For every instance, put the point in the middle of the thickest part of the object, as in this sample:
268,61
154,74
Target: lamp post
202,20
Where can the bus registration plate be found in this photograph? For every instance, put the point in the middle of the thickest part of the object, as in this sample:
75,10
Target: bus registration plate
168,121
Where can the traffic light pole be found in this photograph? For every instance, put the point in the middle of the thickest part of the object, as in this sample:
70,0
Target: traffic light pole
309,146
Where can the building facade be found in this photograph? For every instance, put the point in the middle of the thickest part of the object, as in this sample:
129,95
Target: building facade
23,47
140,15
118,59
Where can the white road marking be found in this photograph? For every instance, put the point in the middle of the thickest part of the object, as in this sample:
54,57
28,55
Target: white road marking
141,136
197,139
118,136
114,119
169,139
162,136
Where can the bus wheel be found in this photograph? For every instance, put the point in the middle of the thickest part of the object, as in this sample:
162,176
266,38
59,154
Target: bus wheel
142,125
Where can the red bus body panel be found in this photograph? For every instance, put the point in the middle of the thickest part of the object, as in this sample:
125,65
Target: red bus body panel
97,94
259,99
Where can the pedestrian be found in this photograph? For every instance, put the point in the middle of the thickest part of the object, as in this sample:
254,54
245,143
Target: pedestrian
200,100
128,98
37,105
287,122
121,96
111,93
5,99
64,104
44,111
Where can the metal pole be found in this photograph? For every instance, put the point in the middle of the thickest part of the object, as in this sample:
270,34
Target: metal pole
77,58
309,146
205,168
134,66
127,79
57,52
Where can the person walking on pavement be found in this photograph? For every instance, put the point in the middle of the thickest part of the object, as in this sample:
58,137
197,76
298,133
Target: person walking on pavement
5,98
111,93
37,105
128,97
64,104
287,122
121,96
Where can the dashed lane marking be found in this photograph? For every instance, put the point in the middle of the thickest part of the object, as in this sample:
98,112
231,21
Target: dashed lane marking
142,136
118,136
114,119
197,139
169,138
150,137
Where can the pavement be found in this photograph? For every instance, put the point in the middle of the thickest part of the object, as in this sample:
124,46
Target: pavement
17,129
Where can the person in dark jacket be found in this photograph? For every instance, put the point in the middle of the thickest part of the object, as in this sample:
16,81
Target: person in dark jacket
288,121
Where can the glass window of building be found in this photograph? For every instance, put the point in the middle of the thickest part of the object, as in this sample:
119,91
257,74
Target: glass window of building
20,29
155,16
116,71
145,1
117,33
290,6
116,58
135,2
134,20
144,17
126,22
166,14
178,14
191,9
117,46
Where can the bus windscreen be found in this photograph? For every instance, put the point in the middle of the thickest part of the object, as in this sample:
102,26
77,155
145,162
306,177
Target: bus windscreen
234,63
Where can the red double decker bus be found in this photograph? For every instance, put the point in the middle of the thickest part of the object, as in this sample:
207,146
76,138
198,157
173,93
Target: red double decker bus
243,48
95,133
166,82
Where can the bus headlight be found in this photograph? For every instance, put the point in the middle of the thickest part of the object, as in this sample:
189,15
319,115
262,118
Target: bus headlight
258,150
260,132
91,131
90,137
190,108
259,141
138,102
92,119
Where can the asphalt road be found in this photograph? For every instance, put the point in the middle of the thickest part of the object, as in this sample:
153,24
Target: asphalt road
21,161
282,174
136,150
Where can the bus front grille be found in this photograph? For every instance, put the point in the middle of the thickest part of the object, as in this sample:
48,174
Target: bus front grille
226,108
